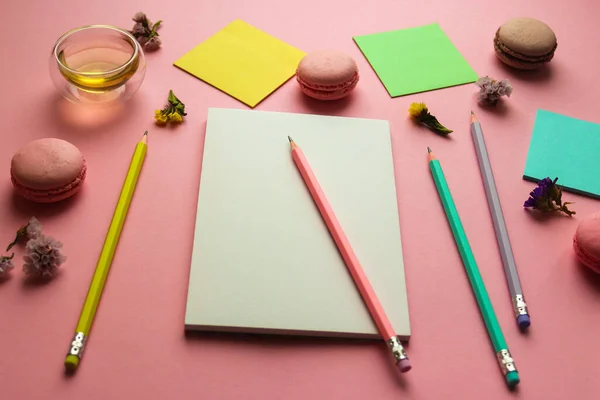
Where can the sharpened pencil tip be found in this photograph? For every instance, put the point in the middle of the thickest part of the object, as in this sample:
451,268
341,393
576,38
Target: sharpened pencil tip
290,139
428,149
144,138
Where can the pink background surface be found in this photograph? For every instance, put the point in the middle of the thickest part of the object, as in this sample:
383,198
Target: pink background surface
138,348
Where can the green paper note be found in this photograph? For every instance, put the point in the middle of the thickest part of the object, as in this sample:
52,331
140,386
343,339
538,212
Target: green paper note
415,60
565,148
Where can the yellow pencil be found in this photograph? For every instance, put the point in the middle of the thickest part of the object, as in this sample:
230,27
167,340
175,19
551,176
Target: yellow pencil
90,306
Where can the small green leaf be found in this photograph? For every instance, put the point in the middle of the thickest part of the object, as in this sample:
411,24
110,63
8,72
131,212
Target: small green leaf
174,105
172,98
156,25
434,124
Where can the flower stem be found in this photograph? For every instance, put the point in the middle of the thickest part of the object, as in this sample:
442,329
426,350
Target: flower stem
20,233
431,122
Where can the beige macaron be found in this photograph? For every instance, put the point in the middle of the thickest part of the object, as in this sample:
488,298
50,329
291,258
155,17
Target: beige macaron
525,43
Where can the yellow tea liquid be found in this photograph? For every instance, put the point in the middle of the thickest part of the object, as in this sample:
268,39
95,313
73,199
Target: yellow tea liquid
98,69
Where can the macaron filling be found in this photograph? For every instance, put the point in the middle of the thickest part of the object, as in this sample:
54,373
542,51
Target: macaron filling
54,194
331,87
330,92
499,46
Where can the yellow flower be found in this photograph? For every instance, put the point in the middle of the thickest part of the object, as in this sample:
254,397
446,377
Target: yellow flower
160,118
421,115
416,110
173,112
175,117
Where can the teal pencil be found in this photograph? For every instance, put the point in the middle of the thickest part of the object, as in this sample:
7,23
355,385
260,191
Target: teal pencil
503,356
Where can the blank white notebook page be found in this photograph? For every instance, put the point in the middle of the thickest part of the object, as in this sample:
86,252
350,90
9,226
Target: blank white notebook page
263,259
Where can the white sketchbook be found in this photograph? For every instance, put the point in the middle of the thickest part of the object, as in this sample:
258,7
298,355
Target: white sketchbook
263,260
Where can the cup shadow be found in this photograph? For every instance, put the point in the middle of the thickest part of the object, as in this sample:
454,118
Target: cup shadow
77,119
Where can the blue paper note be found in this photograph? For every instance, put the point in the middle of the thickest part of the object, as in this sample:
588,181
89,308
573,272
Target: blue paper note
567,148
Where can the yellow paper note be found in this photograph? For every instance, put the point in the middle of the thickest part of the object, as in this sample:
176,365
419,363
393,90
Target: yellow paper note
242,61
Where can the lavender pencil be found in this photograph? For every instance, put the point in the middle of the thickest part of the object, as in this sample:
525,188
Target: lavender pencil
508,259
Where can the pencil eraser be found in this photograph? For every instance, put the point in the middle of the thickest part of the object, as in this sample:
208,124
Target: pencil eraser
512,379
523,321
71,363
403,365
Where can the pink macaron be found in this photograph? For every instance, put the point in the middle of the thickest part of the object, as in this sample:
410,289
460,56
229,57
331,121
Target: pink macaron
48,170
586,242
327,74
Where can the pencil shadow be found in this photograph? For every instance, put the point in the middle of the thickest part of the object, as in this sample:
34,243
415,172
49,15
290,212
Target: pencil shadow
514,391
393,372
297,342
325,107
69,374
525,332
542,74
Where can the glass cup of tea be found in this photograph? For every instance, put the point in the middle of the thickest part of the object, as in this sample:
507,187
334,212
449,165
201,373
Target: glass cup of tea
97,64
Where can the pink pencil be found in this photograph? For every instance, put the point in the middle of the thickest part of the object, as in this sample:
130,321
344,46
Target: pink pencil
366,291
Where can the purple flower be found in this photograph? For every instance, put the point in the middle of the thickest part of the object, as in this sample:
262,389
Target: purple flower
6,264
32,230
139,29
140,17
142,40
43,257
491,90
153,44
547,197
145,31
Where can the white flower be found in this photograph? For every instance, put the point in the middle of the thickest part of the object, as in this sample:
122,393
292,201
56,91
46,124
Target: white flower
43,257
491,90
6,264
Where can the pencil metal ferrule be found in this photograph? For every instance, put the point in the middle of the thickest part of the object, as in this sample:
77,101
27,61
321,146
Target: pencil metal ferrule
507,364
397,349
519,305
77,345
